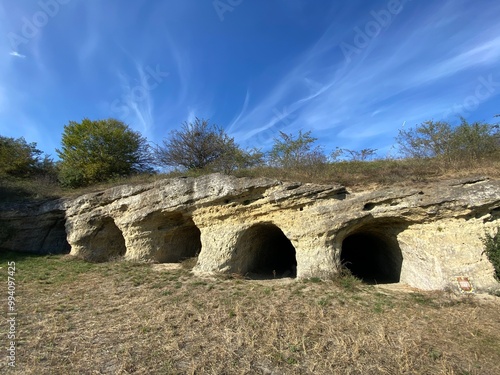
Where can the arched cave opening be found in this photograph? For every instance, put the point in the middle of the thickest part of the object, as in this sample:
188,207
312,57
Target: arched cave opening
180,243
263,251
372,256
107,242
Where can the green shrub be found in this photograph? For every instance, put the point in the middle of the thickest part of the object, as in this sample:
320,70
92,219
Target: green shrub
19,158
296,152
438,139
97,151
492,250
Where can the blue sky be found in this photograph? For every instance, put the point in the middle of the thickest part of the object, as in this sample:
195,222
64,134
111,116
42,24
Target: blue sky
352,72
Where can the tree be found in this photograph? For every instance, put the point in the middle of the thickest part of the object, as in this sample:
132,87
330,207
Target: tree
439,139
473,141
362,155
238,159
199,145
289,151
95,151
427,140
19,158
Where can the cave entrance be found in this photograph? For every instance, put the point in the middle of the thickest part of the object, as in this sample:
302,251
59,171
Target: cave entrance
372,256
180,243
263,251
108,242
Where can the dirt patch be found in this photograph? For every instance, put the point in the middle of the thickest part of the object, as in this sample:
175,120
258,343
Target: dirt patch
166,267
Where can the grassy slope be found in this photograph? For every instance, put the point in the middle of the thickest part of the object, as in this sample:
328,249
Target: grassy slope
124,318
355,175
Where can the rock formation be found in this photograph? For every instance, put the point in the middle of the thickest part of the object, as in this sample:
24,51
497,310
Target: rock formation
424,236
34,227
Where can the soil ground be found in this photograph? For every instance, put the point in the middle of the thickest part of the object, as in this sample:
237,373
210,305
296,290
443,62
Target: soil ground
125,318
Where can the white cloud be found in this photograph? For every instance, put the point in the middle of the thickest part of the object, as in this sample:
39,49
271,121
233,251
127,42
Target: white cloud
17,54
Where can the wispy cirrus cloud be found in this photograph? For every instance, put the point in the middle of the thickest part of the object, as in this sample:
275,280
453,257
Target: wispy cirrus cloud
370,97
472,55
135,104
269,67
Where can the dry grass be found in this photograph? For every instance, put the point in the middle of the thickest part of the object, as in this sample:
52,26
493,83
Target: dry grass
359,175
123,318
355,175
40,188
31,189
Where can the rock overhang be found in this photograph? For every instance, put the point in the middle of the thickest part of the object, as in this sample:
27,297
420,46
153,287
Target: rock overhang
212,213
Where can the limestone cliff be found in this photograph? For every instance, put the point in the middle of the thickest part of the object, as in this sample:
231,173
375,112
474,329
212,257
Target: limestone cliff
424,236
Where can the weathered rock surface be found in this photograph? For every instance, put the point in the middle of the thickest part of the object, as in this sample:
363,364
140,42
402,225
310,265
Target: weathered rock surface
34,227
423,236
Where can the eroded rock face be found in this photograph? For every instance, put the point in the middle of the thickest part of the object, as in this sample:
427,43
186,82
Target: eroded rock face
421,236
34,227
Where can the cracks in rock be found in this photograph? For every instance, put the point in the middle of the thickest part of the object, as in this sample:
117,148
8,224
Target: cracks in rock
487,213
391,202
317,193
471,181
251,196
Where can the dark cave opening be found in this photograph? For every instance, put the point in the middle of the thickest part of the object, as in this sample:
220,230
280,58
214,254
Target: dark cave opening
372,257
108,242
180,243
263,251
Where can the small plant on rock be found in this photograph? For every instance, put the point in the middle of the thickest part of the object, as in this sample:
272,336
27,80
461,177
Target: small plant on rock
492,250
345,279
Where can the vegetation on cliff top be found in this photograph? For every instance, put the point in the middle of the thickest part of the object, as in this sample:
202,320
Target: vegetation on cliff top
97,154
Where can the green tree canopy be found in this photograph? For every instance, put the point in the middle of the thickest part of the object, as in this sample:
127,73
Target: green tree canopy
95,151
18,157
